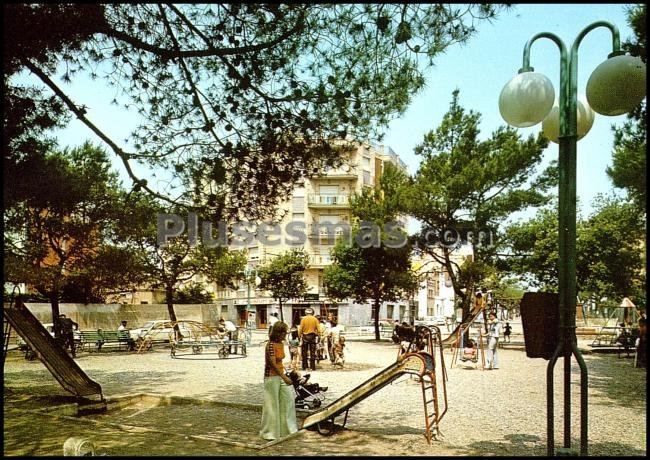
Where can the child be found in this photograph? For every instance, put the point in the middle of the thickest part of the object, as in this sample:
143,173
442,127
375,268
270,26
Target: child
506,332
294,348
339,355
469,352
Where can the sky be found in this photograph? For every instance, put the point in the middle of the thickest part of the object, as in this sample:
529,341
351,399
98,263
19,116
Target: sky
491,58
479,69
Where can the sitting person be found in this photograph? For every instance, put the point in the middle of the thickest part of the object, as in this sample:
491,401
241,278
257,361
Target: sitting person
641,345
469,351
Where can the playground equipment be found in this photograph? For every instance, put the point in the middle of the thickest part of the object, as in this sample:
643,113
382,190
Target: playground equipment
64,369
200,337
616,335
474,316
459,344
420,363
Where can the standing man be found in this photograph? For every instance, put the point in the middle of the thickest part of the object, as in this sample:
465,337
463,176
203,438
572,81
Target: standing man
67,335
273,318
494,331
308,332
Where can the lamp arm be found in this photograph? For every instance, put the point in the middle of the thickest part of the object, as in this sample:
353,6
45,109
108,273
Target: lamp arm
551,36
616,40
568,103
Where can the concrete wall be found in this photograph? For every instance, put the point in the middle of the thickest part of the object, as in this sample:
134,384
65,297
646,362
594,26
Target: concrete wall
108,316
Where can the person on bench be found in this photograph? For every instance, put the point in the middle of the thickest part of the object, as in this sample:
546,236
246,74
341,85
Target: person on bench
100,340
122,328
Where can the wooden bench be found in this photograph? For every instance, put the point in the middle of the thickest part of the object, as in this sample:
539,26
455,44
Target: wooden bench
97,340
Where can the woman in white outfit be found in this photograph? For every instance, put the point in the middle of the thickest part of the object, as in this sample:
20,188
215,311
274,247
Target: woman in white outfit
279,409
494,330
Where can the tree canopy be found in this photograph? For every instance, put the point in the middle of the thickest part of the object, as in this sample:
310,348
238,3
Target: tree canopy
610,254
465,186
628,169
62,237
231,93
284,276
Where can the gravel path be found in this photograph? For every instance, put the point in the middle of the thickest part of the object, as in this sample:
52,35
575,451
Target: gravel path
498,412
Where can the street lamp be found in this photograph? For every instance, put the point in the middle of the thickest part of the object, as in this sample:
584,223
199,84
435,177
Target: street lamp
615,87
248,272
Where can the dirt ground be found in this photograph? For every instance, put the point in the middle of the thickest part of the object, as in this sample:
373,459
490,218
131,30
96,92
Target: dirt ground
203,405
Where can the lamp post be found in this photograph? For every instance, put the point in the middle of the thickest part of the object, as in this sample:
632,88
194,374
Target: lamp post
615,87
248,272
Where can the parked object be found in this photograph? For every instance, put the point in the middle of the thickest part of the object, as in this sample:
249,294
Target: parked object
159,331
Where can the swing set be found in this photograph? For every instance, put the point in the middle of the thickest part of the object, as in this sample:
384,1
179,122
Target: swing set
460,348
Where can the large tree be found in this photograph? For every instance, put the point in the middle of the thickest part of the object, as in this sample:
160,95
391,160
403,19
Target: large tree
60,236
628,169
465,184
176,261
284,276
232,93
375,263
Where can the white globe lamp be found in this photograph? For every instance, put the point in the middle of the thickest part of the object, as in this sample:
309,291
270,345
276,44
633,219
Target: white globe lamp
526,99
585,120
617,85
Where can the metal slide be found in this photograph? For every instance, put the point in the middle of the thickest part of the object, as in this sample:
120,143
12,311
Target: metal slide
469,320
421,364
64,369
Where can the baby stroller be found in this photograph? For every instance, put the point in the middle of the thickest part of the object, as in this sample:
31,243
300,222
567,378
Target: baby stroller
308,395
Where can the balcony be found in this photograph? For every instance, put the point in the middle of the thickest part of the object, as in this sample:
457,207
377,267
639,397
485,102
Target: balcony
320,261
328,201
327,231
345,172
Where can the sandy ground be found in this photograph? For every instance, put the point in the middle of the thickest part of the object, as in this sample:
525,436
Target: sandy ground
493,412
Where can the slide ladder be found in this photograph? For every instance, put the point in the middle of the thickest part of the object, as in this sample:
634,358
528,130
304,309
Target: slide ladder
64,369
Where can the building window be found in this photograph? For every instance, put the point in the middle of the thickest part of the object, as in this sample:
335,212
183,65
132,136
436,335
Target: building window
431,310
366,163
328,190
366,178
389,311
298,204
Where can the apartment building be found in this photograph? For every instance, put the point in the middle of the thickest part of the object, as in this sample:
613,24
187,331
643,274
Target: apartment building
435,296
318,212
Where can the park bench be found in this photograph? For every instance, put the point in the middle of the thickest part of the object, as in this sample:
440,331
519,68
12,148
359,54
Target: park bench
106,340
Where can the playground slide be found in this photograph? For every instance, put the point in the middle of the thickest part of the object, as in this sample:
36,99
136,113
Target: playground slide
64,369
364,390
470,319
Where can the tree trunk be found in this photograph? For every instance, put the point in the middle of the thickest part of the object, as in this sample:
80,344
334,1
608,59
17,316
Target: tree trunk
281,314
54,301
169,297
375,307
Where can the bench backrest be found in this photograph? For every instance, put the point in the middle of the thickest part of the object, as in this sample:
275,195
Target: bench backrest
106,336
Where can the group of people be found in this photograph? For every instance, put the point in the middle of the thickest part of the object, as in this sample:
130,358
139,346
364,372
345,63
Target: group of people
308,343
315,339
319,339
